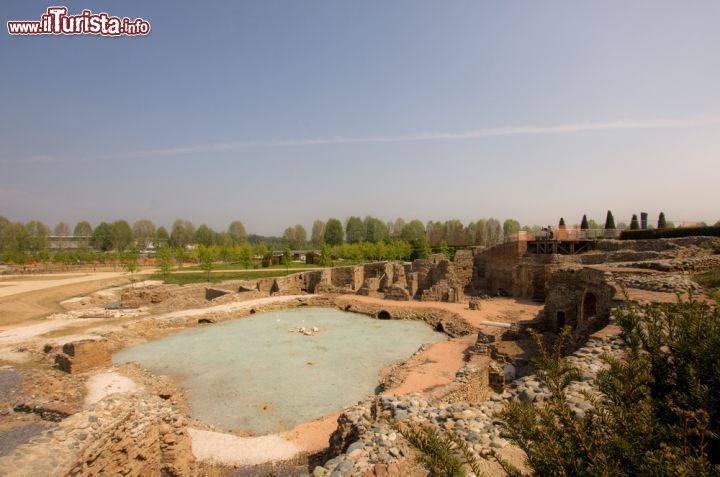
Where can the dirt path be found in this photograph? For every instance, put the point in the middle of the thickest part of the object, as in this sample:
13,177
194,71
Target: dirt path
42,282
436,366
32,299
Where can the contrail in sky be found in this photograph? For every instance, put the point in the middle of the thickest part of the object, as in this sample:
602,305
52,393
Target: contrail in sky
622,124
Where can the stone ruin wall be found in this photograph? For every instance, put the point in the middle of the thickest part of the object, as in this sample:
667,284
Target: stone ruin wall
128,435
495,267
431,279
442,320
582,298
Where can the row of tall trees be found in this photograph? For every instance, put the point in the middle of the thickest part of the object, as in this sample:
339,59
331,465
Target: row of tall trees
635,224
33,238
373,230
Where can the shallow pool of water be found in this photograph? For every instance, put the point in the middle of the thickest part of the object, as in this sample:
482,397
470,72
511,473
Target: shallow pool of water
255,375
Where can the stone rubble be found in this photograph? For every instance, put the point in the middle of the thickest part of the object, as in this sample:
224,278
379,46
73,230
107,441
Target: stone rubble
660,283
373,442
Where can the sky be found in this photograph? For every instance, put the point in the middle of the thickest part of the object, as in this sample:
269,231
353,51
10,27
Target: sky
281,112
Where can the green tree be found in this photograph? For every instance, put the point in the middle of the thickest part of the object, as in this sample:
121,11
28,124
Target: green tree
455,233
245,255
62,230
662,223
204,235
444,249
144,233
609,221
162,237
435,233
494,231
82,229
206,258
300,237
510,226
375,230
164,260
261,250
287,258
182,233
354,230
130,262
288,235
413,232
325,258
397,227
634,224
37,234
481,232
237,232
333,232
180,255
317,236
102,237
584,223
295,237
223,239
122,235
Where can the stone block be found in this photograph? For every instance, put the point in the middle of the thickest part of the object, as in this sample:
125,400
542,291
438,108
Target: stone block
83,355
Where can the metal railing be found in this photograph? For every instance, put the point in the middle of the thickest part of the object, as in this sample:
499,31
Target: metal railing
566,234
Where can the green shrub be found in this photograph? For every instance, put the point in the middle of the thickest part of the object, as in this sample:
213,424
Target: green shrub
658,409
670,233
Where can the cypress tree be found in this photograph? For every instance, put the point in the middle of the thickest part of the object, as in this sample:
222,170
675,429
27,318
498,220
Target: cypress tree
562,223
609,221
634,224
584,224
661,221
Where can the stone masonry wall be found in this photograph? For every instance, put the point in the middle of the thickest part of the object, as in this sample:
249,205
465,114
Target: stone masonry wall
495,266
135,435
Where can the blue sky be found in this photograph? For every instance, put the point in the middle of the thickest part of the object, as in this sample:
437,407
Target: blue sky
278,112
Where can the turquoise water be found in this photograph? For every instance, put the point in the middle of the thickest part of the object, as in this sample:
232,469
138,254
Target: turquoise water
253,374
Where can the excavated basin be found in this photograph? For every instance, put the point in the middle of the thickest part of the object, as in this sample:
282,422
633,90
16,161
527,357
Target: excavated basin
254,375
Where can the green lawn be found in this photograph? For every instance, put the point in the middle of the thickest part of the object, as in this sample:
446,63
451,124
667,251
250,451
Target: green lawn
201,277
241,266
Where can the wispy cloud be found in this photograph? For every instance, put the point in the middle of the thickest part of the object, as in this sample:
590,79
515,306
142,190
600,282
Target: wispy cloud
621,124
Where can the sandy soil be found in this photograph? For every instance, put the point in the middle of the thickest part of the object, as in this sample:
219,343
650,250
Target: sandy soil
234,450
30,299
104,384
19,332
41,282
436,366
313,436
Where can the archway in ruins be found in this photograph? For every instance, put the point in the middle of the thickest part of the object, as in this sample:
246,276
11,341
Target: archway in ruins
589,306
560,320
383,315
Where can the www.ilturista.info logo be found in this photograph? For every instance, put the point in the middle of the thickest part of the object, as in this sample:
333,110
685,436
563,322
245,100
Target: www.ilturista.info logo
57,22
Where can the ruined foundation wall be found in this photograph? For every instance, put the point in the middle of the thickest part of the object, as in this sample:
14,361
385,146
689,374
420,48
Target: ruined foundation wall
442,320
137,435
495,266
580,298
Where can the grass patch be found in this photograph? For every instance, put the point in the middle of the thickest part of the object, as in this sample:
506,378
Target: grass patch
201,277
241,266
710,281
